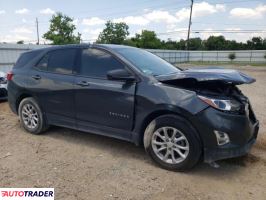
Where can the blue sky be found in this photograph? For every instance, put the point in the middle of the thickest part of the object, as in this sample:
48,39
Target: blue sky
168,18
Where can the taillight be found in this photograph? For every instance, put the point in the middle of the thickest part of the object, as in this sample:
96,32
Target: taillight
9,76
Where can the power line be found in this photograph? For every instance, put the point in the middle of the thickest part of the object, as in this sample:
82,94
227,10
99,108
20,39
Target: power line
213,31
233,2
230,24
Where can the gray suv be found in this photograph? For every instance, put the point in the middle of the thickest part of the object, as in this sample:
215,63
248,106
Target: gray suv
180,116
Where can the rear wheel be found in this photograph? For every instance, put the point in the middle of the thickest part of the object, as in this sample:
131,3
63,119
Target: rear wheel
31,117
172,143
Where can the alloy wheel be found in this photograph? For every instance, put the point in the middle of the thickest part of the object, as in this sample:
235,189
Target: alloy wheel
30,116
170,145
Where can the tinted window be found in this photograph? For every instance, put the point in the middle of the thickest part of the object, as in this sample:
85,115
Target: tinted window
61,61
43,63
96,63
25,58
147,62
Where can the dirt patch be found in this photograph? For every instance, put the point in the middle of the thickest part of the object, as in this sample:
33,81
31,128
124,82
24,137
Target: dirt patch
86,166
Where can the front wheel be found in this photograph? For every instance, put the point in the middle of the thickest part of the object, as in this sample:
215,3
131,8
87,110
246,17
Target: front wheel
172,143
31,117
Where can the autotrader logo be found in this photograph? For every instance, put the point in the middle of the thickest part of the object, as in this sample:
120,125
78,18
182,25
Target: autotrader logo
26,193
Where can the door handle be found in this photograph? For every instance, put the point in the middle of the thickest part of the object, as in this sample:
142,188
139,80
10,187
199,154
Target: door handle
36,77
83,83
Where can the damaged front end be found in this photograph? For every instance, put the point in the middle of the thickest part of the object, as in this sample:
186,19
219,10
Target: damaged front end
228,127
216,87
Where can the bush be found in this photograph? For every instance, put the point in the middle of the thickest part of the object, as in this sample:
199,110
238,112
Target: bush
232,56
265,55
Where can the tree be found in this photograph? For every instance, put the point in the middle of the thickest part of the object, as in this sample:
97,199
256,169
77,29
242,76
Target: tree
232,56
147,39
195,44
62,30
215,43
255,43
169,44
20,42
113,33
130,42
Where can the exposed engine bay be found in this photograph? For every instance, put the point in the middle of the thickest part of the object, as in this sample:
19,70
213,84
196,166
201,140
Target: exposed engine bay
215,89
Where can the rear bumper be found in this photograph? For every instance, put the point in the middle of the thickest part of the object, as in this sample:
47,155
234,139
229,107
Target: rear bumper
231,151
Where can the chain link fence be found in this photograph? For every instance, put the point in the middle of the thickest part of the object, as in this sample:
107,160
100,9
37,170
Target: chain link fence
9,53
247,56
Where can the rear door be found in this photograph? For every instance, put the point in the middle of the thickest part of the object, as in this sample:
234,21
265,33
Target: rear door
99,100
52,80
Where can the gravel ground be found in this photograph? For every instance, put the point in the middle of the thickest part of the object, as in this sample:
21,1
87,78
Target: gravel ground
86,166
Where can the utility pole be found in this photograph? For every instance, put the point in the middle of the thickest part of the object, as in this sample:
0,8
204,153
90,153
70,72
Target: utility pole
189,24
37,28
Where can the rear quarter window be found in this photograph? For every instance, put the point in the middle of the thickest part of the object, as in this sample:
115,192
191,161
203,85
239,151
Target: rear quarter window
25,58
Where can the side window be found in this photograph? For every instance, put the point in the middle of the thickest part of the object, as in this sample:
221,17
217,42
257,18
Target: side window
58,61
61,61
43,63
96,63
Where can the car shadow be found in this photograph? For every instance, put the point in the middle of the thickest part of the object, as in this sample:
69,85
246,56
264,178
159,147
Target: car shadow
112,145
3,100
124,149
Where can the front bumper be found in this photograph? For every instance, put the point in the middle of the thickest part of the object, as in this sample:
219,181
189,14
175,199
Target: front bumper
241,129
231,151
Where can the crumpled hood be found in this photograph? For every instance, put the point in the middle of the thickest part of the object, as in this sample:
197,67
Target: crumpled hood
210,74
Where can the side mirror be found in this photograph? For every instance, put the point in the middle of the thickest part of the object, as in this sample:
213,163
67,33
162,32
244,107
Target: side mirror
120,74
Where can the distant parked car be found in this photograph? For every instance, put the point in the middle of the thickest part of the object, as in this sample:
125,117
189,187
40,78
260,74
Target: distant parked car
3,86
179,115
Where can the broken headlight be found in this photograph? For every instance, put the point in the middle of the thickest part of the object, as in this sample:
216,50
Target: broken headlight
222,104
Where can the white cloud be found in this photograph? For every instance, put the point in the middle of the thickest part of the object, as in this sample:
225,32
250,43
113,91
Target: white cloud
47,11
22,30
182,14
208,33
257,12
146,10
91,35
199,10
22,11
160,16
24,20
178,33
133,20
93,31
2,12
204,8
135,31
93,21
156,16
14,38
75,22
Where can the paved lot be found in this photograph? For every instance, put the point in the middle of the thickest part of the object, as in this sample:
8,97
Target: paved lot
86,166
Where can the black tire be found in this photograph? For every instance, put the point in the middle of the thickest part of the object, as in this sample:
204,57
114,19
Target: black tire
41,126
182,125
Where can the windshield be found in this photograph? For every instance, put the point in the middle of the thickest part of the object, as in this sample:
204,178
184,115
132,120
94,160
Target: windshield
147,62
